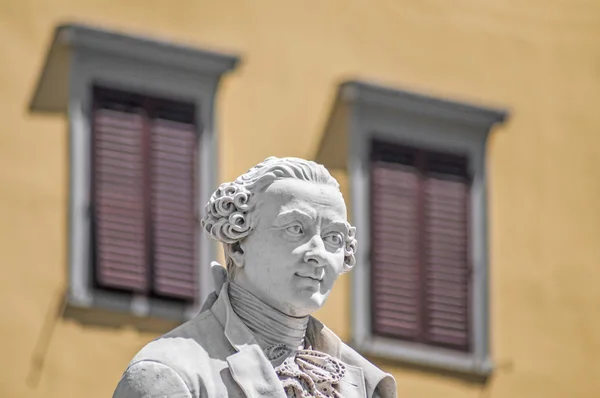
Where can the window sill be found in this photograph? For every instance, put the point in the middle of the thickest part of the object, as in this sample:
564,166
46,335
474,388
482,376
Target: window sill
421,355
116,309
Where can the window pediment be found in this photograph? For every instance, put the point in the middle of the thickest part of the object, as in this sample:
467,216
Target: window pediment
73,42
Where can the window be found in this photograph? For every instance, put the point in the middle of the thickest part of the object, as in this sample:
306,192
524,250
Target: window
144,195
419,250
142,164
416,168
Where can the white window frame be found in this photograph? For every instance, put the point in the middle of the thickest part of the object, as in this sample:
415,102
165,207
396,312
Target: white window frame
363,112
82,57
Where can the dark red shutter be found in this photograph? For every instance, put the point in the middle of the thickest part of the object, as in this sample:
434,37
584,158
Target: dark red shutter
395,262
144,194
119,202
419,261
446,193
173,208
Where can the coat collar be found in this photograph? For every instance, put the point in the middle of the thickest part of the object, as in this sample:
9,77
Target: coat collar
252,370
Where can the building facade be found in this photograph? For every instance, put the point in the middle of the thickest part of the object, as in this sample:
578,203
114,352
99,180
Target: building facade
463,136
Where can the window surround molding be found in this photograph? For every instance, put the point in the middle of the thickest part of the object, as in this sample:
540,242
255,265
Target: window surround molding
364,111
83,56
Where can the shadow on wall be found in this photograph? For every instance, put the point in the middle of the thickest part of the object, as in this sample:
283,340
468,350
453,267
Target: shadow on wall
59,310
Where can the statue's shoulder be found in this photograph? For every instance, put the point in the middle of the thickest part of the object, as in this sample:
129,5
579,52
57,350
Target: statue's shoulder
189,340
189,350
175,364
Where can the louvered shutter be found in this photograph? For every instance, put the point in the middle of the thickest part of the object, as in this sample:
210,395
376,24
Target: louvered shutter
394,247
420,274
446,192
173,208
118,197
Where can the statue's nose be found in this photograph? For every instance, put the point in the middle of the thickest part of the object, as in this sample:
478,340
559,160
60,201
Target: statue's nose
316,251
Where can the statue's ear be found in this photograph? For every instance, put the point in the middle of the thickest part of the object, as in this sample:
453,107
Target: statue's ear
237,254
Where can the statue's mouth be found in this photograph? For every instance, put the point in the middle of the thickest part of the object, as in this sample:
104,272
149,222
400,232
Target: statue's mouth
310,277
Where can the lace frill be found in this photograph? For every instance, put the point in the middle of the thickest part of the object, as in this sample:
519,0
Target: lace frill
307,373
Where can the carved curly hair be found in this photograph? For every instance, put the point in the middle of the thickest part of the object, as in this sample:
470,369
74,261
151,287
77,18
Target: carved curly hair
229,217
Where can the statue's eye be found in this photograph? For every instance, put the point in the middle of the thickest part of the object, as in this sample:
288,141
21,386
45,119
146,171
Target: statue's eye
295,229
334,239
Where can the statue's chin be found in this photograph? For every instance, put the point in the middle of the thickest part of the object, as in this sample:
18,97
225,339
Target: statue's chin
303,306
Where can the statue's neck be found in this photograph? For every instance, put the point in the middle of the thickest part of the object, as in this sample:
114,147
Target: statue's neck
269,326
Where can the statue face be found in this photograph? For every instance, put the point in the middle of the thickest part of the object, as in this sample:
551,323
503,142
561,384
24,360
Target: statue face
296,252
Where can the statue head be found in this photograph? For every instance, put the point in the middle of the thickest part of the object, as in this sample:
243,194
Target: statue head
285,234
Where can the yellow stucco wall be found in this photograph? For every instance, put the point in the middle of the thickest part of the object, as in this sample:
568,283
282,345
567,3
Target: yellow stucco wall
541,59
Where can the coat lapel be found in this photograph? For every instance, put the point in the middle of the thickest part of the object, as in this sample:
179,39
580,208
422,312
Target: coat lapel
255,374
360,372
352,384
249,367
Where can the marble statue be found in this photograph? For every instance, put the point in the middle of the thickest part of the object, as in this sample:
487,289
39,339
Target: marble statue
286,240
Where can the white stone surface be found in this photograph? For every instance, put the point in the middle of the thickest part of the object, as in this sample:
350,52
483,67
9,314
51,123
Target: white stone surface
286,238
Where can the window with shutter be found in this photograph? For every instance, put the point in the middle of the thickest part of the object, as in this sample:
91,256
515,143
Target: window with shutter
418,187
420,265
144,195
139,169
